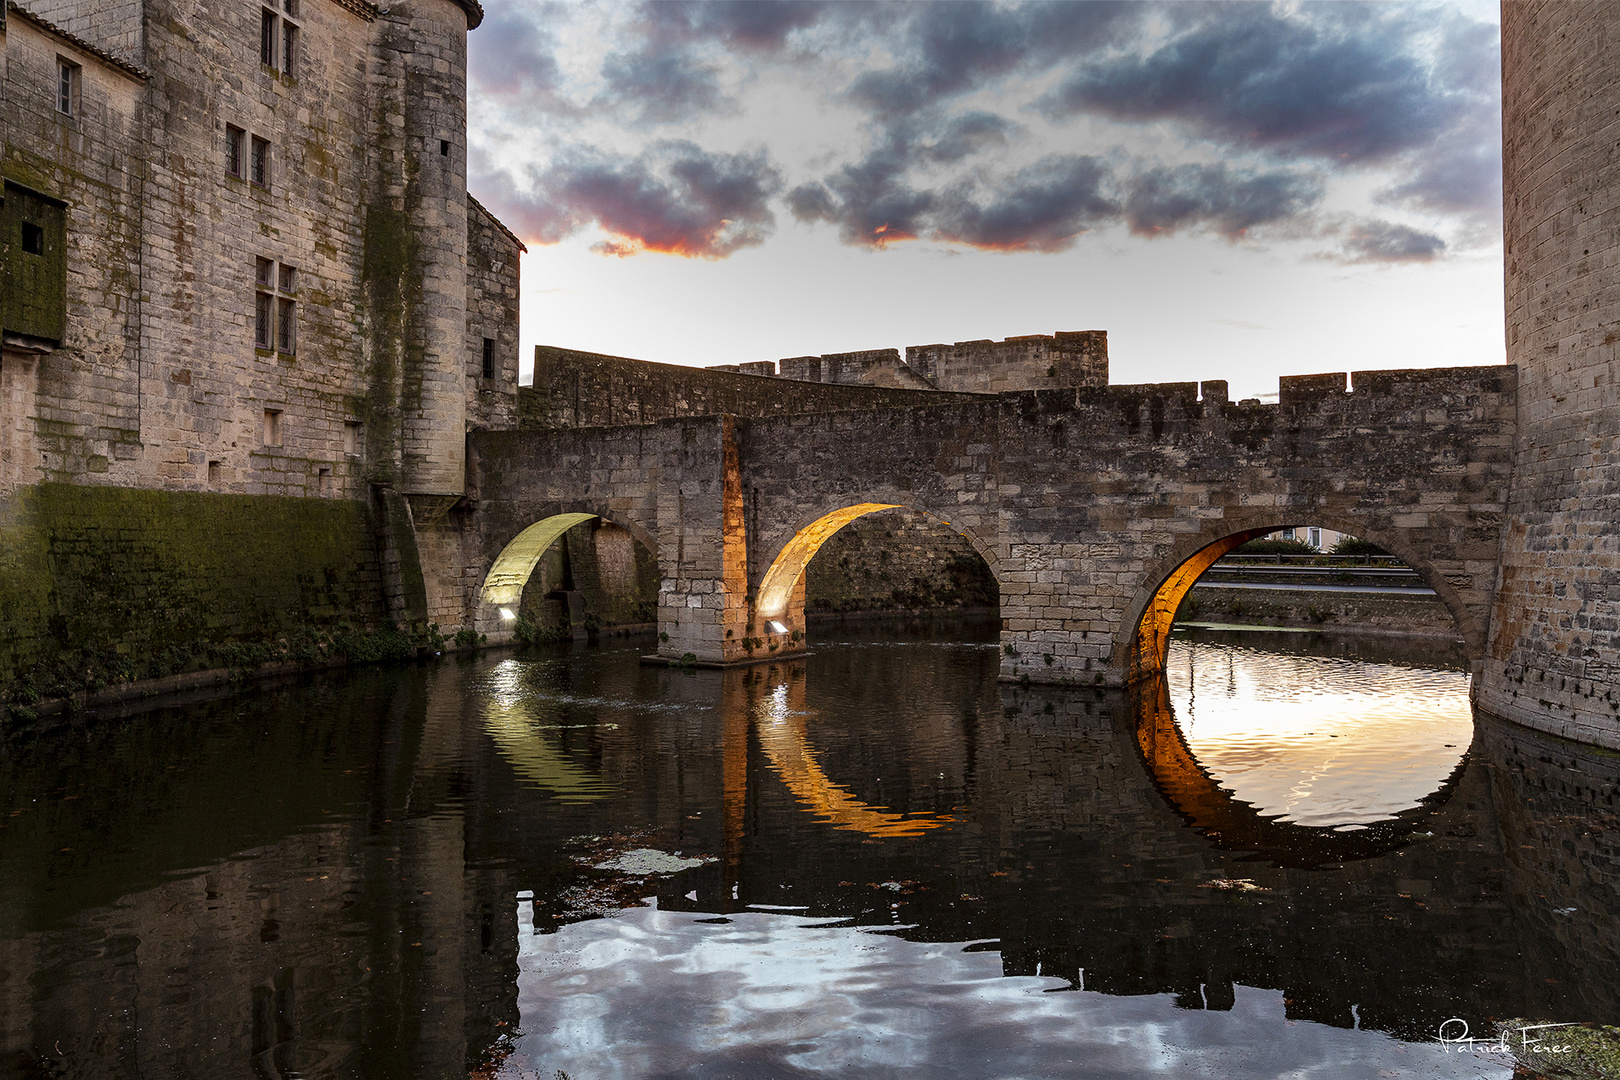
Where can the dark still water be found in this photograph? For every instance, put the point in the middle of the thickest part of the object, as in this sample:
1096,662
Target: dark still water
874,862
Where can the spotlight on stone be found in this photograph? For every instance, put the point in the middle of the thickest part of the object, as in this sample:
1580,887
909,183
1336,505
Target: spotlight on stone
508,614
775,627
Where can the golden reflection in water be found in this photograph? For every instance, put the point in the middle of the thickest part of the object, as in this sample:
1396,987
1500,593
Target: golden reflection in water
1318,740
784,736
516,722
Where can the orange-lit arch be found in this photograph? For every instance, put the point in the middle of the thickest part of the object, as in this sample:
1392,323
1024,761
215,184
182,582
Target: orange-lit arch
776,590
1152,641
1149,640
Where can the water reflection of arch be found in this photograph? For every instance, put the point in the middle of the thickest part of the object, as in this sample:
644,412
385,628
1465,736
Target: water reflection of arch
782,574
516,730
780,723
1143,636
1235,825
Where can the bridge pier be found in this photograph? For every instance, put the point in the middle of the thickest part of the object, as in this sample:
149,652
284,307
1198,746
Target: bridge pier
706,615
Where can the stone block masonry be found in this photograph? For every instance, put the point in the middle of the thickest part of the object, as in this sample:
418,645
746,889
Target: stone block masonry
1082,501
1555,641
275,287
581,389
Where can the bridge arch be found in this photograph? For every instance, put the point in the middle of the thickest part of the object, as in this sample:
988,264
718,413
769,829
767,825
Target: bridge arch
1143,636
780,588
512,566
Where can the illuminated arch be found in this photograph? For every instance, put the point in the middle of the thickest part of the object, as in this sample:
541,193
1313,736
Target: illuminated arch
782,577
1234,825
1145,631
506,578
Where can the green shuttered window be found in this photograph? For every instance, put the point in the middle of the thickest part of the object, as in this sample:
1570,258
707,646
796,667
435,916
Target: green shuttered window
33,245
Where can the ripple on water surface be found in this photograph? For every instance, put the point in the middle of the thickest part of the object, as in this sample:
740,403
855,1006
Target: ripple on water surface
1318,740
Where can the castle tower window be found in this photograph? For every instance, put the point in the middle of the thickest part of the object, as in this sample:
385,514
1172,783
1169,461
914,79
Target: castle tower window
264,276
235,151
289,46
272,427
354,437
267,38
286,311
278,37
259,165
67,87
489,358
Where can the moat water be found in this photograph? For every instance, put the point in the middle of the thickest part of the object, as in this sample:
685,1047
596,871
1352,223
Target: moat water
1293,857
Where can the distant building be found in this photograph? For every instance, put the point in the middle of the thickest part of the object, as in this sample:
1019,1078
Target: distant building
1313,535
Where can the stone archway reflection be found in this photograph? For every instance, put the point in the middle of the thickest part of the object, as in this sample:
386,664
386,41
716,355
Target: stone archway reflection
780,724
1235,825
513,721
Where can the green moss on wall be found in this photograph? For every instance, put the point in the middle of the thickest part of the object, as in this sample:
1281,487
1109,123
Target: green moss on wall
100,583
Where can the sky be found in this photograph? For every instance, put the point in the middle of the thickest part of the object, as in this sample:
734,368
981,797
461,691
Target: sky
1233,191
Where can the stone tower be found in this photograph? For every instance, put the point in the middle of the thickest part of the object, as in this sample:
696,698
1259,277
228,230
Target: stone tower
416,240
1554,658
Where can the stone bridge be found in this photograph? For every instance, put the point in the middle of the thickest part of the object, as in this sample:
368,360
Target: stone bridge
1095,507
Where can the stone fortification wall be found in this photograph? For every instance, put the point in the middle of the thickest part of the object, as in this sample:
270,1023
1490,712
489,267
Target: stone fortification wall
321,182
1555,643
492,315
100,583
897,560
1036,362
581,389
872,367
70,401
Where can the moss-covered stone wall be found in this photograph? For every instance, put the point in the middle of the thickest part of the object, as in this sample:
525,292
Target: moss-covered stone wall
101,584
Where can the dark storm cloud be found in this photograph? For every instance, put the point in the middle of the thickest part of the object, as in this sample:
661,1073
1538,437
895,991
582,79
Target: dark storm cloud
1343,83
1042,207
661,83
948,49
1162,200
674,197
516,56
755,25
870,200
966,135
1384,241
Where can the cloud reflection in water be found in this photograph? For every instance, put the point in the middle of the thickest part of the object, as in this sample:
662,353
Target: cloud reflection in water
657,993
1318,740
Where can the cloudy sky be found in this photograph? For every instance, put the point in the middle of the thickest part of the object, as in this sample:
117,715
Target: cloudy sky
1232,190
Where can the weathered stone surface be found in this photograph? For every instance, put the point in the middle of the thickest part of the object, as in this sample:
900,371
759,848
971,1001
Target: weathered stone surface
1083,501
1555,642
581,389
